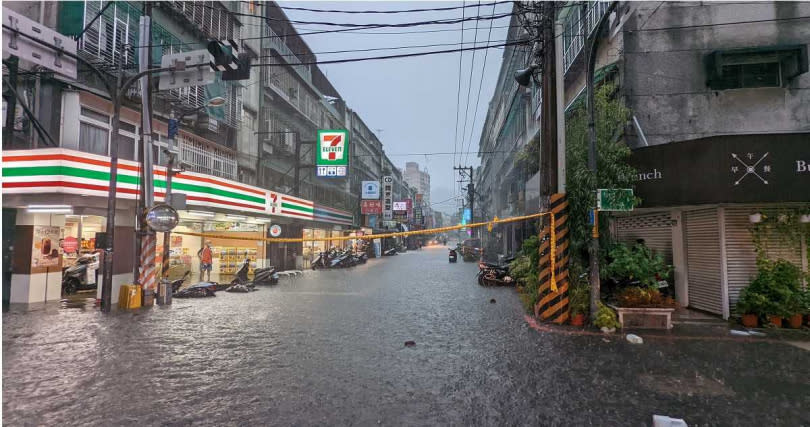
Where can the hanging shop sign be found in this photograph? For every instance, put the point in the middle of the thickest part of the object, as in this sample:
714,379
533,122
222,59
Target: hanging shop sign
388,198
332,158
615,199
370,207
724,169
370,190
400,207
275,230
45,247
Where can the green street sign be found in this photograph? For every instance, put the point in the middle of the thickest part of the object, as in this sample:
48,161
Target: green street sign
615,199
332,157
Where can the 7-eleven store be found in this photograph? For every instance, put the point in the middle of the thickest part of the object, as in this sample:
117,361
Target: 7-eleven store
61,192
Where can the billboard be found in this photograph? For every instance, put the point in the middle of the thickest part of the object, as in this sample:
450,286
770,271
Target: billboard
370,190
332,156
400,206
388,197
373,207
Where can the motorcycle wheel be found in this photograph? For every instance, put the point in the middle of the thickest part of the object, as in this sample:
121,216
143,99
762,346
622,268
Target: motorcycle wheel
70,286
481,279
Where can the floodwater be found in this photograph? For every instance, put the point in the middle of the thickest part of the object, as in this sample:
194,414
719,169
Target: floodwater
328,348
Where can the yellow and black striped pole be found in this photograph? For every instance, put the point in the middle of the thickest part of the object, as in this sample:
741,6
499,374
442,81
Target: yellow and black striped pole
553,272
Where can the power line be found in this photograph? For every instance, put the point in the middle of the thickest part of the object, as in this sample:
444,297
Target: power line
458,91
469,87
376,49
480,84
435,9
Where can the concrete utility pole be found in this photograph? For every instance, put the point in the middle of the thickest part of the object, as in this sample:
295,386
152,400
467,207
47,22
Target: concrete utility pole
548,112
593,248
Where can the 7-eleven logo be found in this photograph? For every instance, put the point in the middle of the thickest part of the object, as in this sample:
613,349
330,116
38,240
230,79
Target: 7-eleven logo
332,146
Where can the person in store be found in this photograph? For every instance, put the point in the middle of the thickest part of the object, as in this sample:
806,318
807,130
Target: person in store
206,256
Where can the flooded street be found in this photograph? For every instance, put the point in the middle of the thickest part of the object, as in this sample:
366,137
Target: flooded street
327,348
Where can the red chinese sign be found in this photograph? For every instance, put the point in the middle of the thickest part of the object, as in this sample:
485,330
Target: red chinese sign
371,207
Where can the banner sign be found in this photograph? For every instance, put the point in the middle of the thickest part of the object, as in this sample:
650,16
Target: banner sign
724,169
371,190
417,216
371,207
400,207
45,246
332,158
388,197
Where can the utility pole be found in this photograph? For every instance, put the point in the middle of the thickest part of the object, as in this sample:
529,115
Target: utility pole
548,113
467,174
11,100
593,247
144,270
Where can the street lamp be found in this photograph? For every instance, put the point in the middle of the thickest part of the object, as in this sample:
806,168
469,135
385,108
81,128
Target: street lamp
174,123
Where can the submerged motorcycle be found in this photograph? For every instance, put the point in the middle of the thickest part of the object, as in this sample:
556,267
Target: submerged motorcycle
490,274
453,257
261,276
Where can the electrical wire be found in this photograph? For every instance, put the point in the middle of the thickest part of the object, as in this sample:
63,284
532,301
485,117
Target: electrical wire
480,84
458,90
435,9
469,88
374,49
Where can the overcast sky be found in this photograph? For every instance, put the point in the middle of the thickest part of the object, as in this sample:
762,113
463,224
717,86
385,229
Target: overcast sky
412,101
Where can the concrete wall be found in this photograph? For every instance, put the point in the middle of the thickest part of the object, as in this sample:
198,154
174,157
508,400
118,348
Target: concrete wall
664,77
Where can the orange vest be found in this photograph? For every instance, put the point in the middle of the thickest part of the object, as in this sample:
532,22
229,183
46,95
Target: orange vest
206,257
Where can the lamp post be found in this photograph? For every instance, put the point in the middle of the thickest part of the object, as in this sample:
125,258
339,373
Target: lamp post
174,123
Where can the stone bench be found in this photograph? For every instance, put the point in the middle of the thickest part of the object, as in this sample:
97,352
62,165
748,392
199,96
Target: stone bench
645,318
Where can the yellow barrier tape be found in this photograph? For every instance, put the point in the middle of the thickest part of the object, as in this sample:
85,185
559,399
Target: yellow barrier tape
553,254
399,234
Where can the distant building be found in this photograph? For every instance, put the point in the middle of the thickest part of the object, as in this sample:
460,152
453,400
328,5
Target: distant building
420,180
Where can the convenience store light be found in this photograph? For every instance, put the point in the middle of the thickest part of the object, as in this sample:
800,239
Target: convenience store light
65,209
201,213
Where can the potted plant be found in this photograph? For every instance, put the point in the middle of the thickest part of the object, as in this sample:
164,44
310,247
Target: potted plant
606,319
751,306
579,300
794,310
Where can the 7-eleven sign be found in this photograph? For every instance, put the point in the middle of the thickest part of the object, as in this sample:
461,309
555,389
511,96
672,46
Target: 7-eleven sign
333,153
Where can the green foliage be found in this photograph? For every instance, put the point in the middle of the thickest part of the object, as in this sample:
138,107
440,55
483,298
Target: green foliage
579,299
637,297
774,291
636,263
781,226
612,166
531,249
606,317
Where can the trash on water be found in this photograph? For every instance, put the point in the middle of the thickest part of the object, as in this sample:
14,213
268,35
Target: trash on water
634,339
738,333
410,343
665,421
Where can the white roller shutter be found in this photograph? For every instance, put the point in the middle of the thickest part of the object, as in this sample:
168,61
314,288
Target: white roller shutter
704,260
655,229
740,253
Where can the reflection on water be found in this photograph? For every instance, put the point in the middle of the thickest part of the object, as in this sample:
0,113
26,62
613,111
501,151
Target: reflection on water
327,348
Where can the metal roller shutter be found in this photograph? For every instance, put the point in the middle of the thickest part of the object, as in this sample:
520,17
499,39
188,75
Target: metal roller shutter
704,260
740,253
655,229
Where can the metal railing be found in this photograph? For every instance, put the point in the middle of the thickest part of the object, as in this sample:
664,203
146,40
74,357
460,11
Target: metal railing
202,157
578,28
277,42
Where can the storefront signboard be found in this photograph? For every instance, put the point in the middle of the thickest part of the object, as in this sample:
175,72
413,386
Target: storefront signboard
45,247
370,190
275,230
388,197
332,158
70,245
400,207
724,169
370,207
63,171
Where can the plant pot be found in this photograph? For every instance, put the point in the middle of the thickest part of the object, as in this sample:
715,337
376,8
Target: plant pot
775,321
795,321
750,320
578,320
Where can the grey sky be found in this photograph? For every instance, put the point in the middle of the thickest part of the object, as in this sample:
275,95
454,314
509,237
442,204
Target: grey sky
412,100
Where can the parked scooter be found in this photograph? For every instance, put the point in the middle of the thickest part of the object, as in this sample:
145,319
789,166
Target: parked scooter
494,274
390,252
81,275
198,290
453,255
176,284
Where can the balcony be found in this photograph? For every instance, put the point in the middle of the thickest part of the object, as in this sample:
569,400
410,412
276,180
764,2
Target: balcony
577,27
203,157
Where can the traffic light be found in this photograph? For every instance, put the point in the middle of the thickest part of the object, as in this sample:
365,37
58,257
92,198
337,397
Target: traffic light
225,59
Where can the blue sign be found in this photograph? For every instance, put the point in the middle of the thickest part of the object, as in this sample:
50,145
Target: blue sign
371,190
467,215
